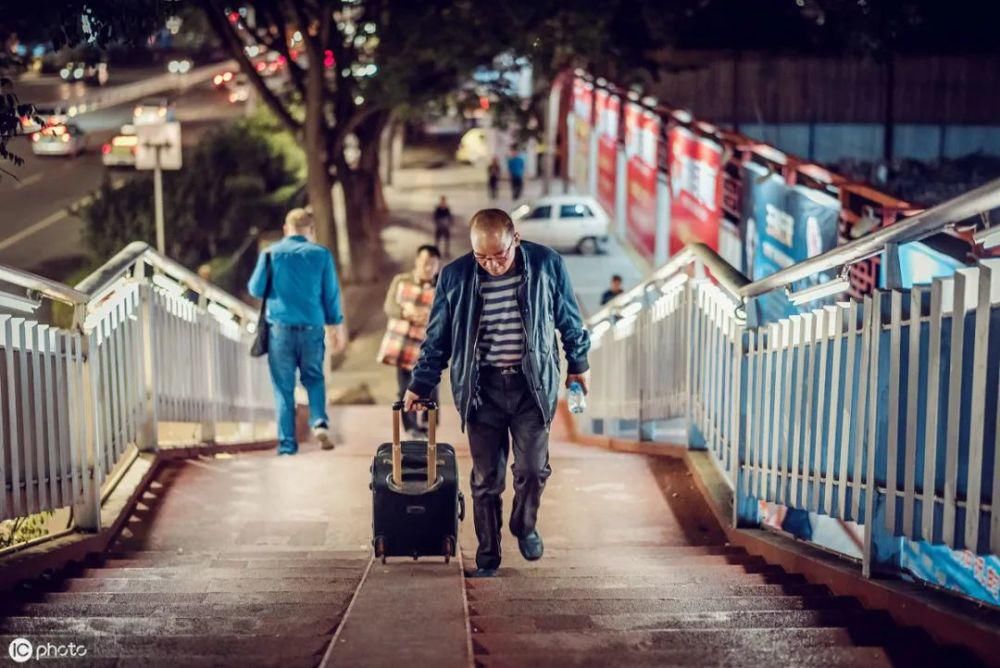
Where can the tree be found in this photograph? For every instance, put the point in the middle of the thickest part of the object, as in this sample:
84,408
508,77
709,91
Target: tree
352,64
67,23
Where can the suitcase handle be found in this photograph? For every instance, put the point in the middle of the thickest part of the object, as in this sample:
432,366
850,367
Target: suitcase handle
397,445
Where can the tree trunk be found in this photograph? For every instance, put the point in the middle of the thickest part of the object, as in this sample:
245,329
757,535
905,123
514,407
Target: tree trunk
319,184
364,200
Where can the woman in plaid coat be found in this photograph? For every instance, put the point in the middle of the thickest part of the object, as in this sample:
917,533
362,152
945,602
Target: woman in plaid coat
407,307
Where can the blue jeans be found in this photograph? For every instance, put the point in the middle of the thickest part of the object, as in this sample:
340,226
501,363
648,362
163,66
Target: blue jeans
301,348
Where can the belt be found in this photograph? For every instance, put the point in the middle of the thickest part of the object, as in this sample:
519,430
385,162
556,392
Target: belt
502,370
294,328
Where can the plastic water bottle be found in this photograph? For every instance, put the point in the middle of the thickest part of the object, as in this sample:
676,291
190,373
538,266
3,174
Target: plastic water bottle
576,398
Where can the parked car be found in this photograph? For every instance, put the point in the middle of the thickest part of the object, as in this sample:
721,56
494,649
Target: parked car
153,110
474,147
68,140
120,151
565,222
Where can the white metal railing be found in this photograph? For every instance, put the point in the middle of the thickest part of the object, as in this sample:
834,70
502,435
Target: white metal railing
150,342
882,411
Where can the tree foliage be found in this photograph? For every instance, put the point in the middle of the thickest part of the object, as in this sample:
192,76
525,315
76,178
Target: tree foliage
224,191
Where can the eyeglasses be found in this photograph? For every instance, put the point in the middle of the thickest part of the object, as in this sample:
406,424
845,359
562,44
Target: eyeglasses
496,259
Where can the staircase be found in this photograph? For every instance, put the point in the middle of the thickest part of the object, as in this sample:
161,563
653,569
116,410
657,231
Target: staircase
670,595
225,586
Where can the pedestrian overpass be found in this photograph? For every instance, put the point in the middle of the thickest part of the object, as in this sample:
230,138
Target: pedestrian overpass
130,404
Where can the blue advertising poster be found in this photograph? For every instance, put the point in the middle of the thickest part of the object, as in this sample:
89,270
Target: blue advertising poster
919,264
784,225
976,576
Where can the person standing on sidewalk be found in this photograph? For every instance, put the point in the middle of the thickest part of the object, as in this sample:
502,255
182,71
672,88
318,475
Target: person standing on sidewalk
493,177
443,221
303,298
494,318
407,306
515,166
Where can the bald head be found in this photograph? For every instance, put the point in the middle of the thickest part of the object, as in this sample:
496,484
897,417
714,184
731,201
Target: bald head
493,240
492,221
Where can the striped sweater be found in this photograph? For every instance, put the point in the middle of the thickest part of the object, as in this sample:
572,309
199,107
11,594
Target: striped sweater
501,334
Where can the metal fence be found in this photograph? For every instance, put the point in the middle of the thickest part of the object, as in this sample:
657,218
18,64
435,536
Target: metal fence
882,411
150,342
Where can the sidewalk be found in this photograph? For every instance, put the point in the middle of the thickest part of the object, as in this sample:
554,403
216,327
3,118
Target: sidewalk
412,198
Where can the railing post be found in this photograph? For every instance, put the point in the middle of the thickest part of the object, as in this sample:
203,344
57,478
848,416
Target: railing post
148,426
87,507
744,506
208,346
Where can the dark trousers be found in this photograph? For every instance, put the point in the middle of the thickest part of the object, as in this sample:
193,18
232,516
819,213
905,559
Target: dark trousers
508,412
410,420
442,239
516,184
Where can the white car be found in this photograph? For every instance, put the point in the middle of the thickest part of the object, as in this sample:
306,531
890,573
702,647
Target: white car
67,140
564,222
120,151
474,147
152,111
239,89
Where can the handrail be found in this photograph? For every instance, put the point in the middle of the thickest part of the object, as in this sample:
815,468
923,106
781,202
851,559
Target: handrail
118,266
728,277
47,288
915,228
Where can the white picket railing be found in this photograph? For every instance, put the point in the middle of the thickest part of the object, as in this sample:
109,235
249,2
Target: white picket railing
151,342
884,409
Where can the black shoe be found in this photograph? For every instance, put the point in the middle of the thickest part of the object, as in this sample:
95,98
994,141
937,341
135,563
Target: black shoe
531,546
481,573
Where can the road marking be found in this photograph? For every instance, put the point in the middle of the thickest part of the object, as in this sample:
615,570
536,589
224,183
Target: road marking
54,218
27,181
28,231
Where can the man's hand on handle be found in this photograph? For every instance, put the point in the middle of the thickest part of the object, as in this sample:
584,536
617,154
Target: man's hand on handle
582,378
410,400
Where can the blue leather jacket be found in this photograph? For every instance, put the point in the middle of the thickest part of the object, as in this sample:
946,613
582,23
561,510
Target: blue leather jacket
547,304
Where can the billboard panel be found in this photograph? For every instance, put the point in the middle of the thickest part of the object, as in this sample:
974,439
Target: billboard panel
641,134
607,108
695,189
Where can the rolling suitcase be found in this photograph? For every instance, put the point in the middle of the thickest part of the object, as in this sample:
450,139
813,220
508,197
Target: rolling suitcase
416,502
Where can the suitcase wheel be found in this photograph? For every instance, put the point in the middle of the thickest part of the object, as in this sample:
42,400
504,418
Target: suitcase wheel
448,548
380,548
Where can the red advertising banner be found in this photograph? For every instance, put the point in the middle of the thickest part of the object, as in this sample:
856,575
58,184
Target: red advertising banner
642,129
583,95
695,188
607,155
607,107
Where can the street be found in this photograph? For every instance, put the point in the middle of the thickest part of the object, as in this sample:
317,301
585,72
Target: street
37,231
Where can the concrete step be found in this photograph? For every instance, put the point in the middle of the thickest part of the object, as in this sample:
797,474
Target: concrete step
685,590
251,572
543,582
788,643
249,647
167,625
747,619
551,569
631,549
537,608
816,657
205,586
614,561
297,606
221,561
214,662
